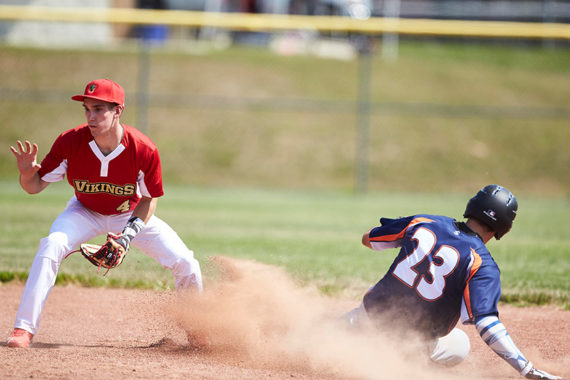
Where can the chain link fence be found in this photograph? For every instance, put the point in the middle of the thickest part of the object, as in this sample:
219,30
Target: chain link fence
294,112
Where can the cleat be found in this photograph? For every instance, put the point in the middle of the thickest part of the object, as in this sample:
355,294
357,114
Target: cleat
19,338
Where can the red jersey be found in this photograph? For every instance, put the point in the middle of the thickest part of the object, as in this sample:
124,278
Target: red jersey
110,184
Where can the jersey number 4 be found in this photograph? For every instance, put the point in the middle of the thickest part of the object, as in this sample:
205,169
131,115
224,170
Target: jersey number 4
443,262
124,207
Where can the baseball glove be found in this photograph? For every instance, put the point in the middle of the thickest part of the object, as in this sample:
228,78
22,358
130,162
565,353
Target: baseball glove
109,255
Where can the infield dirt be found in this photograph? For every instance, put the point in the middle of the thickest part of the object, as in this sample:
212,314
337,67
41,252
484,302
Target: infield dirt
261,325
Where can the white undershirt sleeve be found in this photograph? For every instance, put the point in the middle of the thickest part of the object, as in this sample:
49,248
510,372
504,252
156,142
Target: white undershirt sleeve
382,245
56,174
141,188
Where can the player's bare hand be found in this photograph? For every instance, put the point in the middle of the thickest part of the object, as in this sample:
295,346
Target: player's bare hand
538,374
26,157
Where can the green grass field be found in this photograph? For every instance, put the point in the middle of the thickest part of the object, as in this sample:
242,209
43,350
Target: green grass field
259,155
314,235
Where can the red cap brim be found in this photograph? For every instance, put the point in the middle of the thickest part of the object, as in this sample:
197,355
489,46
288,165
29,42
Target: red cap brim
81,98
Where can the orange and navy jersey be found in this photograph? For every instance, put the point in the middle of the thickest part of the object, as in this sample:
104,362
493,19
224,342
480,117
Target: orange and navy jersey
107,184
442,272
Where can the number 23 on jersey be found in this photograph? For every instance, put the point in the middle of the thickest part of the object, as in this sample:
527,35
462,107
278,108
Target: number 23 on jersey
443,262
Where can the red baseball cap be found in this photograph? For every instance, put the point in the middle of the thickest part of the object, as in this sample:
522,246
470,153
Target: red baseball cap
103,89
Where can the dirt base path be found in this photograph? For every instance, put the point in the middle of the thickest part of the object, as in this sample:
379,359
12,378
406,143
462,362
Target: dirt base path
261,326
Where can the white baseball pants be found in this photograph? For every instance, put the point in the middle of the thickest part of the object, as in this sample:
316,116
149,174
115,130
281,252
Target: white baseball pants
451,349
77,225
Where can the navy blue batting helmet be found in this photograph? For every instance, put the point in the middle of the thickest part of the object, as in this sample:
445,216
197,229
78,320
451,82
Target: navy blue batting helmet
494,206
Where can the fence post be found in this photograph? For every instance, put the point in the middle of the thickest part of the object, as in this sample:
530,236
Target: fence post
142,95
364,45
390,41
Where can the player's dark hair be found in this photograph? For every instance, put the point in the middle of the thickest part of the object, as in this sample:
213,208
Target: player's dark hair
495,206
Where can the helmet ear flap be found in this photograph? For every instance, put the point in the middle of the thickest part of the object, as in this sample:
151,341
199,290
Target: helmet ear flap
494,206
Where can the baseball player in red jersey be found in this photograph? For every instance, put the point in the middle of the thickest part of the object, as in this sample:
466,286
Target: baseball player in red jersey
116,174
444,273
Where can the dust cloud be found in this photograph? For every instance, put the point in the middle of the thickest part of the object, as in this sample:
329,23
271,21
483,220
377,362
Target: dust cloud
256,313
